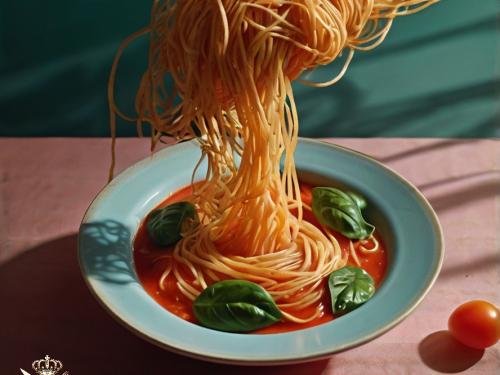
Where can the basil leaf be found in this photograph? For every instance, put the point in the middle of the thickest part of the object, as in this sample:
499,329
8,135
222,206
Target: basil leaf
350,287
358,199
235,306
165,225
341,212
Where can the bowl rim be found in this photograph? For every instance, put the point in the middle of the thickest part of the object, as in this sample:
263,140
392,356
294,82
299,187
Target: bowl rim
438,240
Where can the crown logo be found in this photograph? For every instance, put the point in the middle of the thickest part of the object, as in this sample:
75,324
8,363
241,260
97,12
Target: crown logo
46,366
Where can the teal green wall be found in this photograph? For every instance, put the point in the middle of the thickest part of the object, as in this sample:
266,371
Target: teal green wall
436,74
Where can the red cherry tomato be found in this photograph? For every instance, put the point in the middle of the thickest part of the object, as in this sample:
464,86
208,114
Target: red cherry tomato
475,324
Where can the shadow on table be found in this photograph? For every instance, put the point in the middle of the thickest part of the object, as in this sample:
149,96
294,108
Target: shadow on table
437,145
463,196
484,186
441,352
47,309
450,180
475,265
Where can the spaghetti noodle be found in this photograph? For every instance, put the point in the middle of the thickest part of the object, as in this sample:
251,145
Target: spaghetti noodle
232,63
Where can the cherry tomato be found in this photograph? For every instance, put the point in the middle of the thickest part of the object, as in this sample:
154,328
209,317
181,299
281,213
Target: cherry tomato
475,324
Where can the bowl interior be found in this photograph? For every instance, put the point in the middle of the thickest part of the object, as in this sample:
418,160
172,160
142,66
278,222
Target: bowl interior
403,217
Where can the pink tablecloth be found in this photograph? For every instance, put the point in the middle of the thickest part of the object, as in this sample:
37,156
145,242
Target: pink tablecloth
45,308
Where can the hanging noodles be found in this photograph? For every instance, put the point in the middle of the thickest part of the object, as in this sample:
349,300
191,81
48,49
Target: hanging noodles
231,63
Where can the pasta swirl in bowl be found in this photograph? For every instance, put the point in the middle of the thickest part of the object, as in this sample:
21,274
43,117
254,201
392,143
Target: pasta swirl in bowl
248,246
232,63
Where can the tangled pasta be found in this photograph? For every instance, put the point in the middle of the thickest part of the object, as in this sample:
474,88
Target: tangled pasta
231,64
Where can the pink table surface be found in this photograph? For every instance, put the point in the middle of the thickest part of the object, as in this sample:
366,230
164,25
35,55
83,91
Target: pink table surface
46,185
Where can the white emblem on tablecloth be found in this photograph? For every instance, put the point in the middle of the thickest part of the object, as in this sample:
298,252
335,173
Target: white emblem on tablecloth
46,366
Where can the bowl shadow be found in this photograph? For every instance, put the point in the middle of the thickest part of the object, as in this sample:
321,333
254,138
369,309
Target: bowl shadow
48,309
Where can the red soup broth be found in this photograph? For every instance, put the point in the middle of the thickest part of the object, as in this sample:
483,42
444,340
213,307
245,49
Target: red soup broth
151,260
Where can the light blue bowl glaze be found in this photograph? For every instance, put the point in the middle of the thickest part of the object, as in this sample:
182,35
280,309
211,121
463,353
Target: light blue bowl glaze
404,218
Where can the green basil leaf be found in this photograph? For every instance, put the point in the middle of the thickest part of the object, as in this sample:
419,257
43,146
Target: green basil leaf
166,225
358,199
341,212
235,306
350,287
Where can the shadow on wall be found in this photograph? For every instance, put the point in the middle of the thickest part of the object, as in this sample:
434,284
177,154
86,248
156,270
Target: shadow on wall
54,71
463,106
387,119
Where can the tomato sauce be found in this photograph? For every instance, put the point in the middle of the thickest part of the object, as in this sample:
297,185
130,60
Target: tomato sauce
151,260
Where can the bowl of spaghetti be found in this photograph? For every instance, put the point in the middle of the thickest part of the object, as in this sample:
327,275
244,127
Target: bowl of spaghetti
125,283
244,243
